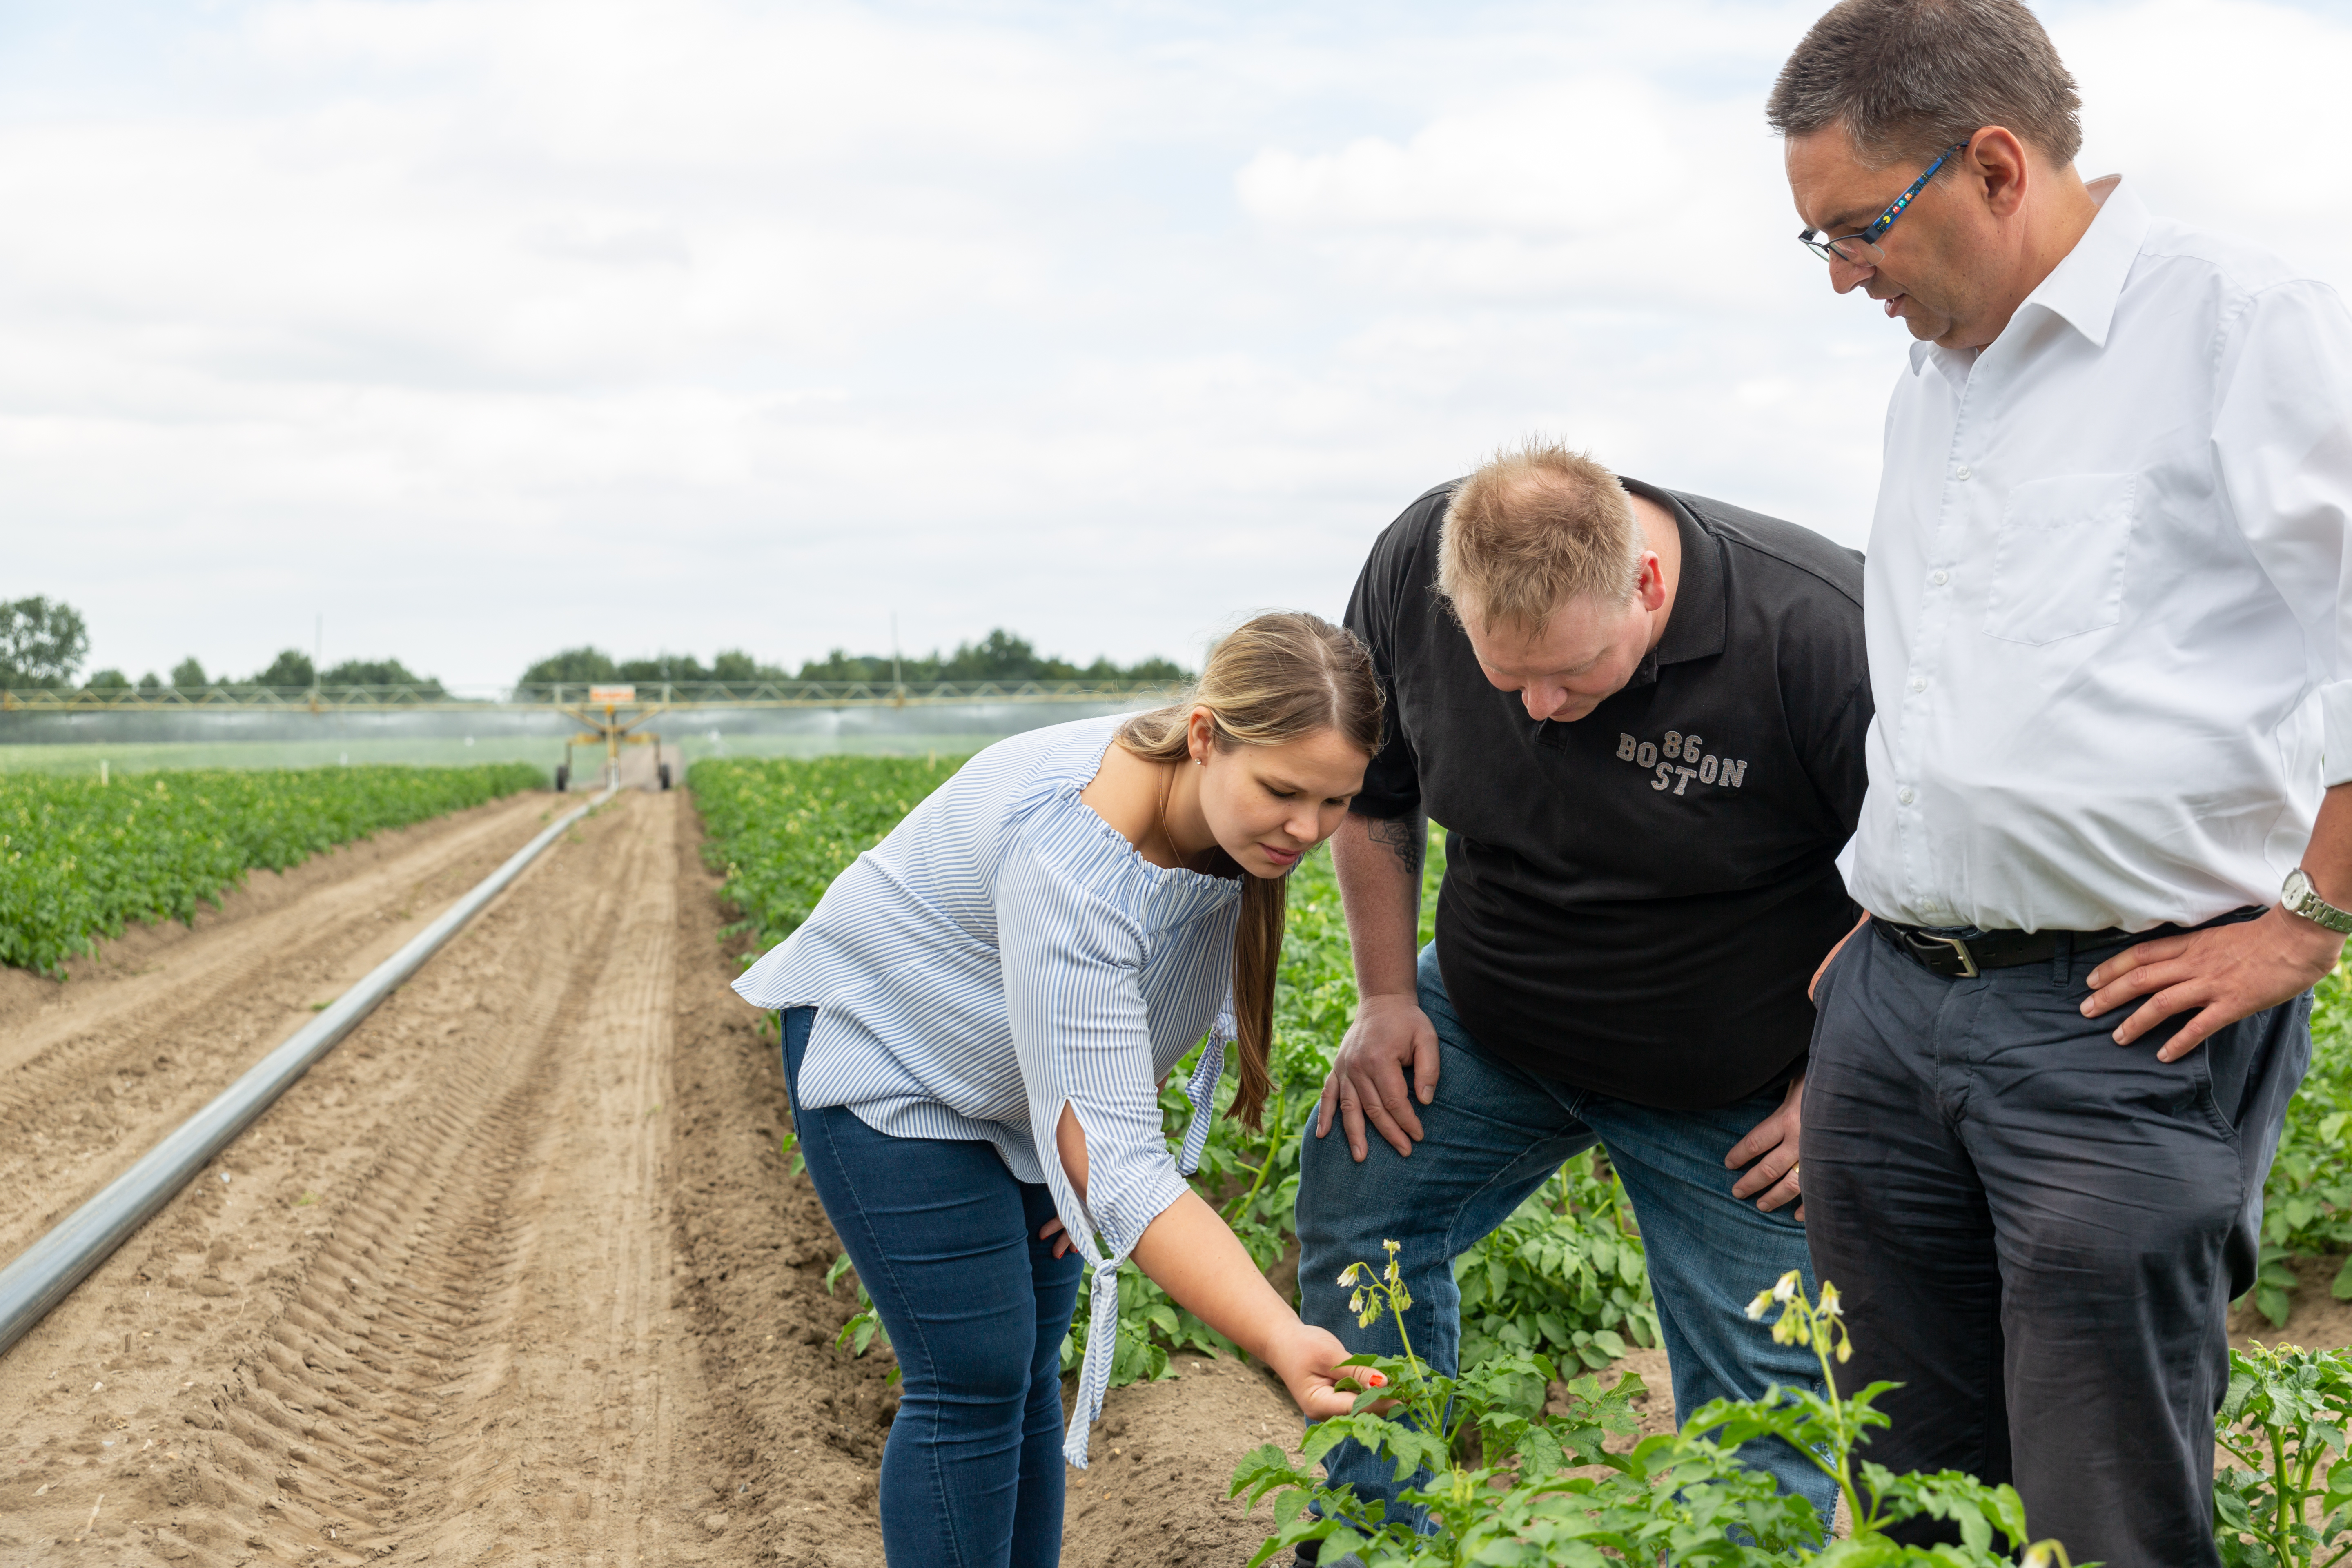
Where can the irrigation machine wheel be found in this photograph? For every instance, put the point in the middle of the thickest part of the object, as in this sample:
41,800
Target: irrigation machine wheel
562,777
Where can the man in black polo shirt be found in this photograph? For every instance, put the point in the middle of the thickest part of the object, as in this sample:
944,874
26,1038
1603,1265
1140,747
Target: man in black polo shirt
1640,716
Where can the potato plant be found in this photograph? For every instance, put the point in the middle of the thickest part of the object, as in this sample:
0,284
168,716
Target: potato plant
2285,1418
1504,1483
79,861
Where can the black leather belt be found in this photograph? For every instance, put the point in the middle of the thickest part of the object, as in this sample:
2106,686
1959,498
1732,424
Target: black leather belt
1962,953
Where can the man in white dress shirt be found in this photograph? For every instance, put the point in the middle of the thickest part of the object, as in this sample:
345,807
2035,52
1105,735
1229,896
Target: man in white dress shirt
2108,606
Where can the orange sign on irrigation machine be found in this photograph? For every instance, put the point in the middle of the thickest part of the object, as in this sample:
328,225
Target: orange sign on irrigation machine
613,733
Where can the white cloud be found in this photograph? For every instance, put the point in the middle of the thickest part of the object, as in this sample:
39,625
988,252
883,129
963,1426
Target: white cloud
487,325
1576,158
2231,113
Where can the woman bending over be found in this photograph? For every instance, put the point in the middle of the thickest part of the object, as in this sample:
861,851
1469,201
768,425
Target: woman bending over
976,1020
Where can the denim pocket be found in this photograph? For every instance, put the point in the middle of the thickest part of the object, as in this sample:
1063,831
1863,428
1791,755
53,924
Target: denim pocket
2059,562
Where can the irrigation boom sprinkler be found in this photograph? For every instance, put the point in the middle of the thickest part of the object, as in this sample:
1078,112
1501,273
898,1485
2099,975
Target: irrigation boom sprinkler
613,731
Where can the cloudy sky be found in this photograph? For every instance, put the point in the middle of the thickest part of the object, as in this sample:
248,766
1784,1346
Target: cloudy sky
483,327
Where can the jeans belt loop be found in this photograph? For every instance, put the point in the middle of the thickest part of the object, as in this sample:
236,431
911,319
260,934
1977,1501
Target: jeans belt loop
2062,962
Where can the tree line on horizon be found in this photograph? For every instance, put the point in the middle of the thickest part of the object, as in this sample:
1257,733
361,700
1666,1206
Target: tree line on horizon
1001,656
44,642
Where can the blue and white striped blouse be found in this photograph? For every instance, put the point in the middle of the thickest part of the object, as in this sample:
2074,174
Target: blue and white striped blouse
1004,951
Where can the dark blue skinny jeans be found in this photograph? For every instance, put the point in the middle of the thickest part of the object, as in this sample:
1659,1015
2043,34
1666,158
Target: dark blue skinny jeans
945,1241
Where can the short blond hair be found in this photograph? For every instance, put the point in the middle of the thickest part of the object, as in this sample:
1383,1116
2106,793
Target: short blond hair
1533,529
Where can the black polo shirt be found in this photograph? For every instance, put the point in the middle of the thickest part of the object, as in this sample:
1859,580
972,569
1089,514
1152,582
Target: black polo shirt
1634,901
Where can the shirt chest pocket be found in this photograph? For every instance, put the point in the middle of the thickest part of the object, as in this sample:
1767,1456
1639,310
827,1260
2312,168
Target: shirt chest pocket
2058,563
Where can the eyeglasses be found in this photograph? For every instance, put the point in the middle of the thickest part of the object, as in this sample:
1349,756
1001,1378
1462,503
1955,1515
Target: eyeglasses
1861,248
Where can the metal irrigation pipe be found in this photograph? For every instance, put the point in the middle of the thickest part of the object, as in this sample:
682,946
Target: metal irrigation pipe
47,1271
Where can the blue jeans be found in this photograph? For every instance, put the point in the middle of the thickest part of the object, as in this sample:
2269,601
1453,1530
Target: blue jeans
1490,1138
945,1241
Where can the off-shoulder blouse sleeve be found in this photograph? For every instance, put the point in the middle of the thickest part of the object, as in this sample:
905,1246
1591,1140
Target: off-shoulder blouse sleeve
1073,966
1073,962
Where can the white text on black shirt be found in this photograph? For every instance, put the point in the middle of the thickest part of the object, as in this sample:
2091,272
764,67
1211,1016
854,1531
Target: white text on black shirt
1678,760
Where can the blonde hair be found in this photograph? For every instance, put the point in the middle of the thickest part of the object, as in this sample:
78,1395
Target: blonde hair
1276,679
1533,529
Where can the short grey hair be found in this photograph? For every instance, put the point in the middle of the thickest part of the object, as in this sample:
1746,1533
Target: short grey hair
1906,78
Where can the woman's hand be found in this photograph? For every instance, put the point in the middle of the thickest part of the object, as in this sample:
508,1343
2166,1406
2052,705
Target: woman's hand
1307,1360
1189,1253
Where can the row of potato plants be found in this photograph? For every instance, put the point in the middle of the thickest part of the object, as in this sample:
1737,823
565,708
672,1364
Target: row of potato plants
80,859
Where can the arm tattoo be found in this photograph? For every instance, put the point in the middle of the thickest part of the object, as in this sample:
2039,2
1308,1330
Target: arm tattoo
1406,837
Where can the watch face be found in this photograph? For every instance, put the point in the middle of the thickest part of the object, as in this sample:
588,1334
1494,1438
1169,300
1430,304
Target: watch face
2299,897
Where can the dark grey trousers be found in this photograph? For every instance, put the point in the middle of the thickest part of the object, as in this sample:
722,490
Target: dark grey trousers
2038,1232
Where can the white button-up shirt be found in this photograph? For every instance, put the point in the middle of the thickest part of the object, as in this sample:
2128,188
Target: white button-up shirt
2109,594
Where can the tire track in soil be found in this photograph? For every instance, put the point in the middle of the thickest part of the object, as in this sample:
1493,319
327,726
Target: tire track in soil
92,1075
427,1319
518,1275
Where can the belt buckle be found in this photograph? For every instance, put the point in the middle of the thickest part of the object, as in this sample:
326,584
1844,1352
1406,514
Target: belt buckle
1969,970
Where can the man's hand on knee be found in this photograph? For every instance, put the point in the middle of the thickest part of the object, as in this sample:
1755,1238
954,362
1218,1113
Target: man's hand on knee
1368,1076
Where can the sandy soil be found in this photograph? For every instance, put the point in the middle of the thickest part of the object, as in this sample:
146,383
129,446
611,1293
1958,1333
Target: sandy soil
94,1070
517,1275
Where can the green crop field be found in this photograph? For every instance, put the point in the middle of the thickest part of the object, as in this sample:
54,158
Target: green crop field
79,861
784,830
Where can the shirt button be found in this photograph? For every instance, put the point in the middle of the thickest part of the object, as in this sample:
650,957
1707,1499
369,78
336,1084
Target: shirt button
1918,683
1906,795
1940,578
1961,473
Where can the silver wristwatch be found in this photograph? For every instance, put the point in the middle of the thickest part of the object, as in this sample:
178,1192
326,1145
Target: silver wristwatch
2300,899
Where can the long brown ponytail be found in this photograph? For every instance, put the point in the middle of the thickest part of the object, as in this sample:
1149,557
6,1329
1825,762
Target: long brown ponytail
1274,679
